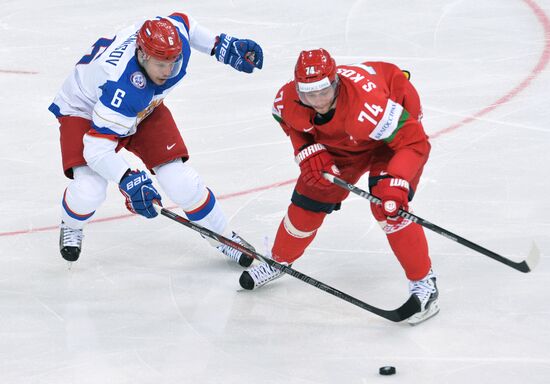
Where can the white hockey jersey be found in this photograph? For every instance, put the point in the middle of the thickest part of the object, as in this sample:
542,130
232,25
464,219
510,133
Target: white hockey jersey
109,88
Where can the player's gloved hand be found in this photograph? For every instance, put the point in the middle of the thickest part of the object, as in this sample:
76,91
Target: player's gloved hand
313,160
140,194
394,194
242,54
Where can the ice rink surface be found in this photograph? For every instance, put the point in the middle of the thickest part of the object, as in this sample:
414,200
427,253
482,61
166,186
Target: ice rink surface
151,302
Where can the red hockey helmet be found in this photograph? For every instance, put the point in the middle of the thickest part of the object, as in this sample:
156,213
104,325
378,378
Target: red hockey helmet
315,70
159,39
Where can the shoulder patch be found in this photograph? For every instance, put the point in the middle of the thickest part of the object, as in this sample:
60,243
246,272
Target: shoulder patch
138,80
389,123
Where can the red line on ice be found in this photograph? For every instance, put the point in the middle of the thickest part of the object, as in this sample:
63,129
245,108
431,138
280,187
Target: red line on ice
128,215
18,72
541,65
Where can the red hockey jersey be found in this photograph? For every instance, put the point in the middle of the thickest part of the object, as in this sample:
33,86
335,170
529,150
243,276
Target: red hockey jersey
377,107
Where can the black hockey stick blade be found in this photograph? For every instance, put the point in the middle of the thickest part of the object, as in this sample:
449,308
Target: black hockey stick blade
525,266
409,308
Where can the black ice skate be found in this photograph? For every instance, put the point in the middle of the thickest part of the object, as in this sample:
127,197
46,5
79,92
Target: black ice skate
258,275
426,291
70,242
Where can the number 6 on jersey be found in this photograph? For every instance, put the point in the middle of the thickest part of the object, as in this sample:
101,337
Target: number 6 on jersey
117,98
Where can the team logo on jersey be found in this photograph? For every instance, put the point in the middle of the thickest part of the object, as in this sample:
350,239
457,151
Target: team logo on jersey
138,80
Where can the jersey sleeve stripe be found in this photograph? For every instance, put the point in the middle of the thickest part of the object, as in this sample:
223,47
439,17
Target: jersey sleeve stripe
54,108
404,117
182,19
277,118
104,130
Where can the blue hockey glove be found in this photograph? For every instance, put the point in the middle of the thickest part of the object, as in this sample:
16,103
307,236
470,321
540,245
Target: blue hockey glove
140,194
242,54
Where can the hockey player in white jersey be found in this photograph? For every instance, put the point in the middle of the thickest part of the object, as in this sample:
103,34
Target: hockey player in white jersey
113,99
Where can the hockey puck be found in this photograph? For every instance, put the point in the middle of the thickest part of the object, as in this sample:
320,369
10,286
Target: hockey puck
387,370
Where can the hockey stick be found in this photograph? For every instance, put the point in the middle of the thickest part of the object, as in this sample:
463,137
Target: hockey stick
526,265
409,308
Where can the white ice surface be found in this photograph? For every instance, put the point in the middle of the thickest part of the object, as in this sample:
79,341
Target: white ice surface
151,302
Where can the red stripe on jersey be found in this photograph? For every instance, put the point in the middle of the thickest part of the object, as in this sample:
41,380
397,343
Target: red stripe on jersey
93,133
184,17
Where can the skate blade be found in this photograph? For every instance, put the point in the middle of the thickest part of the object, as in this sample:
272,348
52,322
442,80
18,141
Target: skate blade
423,316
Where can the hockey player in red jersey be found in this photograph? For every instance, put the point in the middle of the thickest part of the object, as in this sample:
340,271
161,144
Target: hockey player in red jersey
113,99
348,120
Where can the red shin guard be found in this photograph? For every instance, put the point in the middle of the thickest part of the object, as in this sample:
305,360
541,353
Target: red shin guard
411,249
296,231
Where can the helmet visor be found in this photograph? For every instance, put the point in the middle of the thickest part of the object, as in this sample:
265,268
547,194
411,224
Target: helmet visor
164,69
176,68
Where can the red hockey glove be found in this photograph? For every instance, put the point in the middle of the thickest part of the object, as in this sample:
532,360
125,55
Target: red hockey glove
313,160
394,194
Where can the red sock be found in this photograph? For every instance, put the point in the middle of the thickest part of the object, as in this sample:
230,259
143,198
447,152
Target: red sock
296,231
411,249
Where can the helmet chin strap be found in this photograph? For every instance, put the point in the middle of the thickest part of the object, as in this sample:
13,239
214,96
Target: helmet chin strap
336,92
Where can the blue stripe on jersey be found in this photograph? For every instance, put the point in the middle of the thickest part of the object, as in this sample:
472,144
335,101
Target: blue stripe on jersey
103,42
54,108
105,131
180,20
204,210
